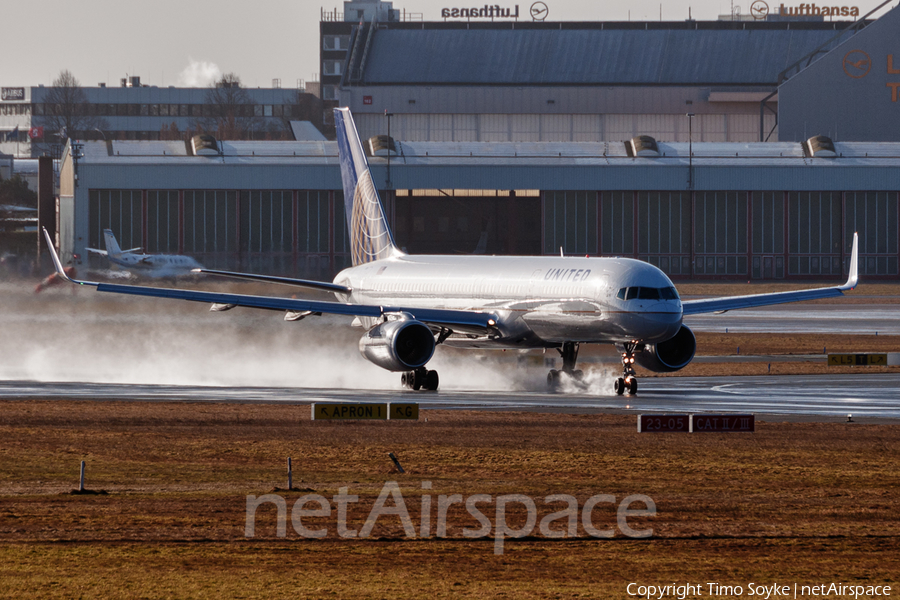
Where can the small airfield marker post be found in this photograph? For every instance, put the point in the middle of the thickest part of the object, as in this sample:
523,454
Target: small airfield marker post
396,462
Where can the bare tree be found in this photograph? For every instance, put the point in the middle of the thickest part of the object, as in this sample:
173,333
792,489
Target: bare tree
67,111
230,112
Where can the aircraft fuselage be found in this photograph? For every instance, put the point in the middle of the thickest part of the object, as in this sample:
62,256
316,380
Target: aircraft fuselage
540,301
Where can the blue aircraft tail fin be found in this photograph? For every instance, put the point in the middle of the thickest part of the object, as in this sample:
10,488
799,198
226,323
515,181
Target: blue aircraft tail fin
370,236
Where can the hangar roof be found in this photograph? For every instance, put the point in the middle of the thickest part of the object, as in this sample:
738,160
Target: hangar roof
475,153
779,166
667,54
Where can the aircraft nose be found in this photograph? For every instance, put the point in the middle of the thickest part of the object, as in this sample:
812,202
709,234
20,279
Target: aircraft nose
660,321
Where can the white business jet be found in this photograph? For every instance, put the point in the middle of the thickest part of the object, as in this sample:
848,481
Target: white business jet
409,305
154,266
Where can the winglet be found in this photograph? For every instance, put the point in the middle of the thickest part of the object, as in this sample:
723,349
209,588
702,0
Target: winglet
57,264
853,279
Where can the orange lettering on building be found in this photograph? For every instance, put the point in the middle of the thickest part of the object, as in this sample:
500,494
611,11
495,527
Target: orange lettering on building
894,87
891,68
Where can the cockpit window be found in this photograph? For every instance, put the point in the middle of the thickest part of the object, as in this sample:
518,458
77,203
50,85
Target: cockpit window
668,293
648,293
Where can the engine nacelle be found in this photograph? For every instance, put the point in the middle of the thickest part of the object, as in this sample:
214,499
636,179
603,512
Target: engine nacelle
398,345
671,355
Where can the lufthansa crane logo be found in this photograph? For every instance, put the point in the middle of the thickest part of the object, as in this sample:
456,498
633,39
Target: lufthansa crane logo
759,10
857,64
539,11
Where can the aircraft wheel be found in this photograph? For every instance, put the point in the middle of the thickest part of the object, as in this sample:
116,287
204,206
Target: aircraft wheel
620,386
431,381
632,385
404,380
578,374
553,379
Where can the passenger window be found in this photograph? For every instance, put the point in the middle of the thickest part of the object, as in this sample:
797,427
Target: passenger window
648,293
621,294
632,293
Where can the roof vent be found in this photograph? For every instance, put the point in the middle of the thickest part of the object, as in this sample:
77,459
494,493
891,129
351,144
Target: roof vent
642,145
820,146
381,145
204,144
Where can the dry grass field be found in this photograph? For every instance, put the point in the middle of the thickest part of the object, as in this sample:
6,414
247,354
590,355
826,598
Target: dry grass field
793,502
805,503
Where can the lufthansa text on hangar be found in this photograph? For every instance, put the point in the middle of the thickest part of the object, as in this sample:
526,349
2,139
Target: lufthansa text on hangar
729,211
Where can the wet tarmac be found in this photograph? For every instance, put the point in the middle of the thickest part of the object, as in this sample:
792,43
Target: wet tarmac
867,397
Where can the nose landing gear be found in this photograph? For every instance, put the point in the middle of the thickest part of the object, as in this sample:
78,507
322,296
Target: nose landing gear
629,379
419,379
569,353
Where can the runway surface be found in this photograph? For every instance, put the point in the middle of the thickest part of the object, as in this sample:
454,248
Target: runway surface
857,319
865,396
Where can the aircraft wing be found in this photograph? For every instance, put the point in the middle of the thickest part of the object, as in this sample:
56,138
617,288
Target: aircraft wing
314,285
459,320
708,305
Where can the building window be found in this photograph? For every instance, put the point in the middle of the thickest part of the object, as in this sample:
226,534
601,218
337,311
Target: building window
118,210
329,92
332,67
814,224
664,230
617,223
335,42
874,216
313,222
570,222
210,219
162,221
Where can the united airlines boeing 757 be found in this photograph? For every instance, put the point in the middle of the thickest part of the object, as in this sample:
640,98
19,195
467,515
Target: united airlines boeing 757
409,305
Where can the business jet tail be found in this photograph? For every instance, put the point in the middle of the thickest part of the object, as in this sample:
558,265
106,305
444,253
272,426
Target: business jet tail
370,236
112,246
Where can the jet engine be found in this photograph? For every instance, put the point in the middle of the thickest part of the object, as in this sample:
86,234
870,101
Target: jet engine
671,355
402,345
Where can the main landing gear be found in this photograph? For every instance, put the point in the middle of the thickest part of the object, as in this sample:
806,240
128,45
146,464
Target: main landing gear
420,379
628,381
569,353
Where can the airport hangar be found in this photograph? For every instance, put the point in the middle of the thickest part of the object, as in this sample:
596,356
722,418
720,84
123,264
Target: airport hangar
785,78
721,208
736,211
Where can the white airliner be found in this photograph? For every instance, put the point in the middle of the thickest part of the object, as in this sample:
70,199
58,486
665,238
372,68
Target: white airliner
146,265
408,305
